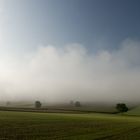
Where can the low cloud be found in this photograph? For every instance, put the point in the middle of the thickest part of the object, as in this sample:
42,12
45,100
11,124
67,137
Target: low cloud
68,73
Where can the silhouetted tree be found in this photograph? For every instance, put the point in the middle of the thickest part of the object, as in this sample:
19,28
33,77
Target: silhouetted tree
71,103
8,103
77,104
121,107
38,104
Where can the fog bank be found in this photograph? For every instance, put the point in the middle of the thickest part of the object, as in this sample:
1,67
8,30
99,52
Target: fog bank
68,73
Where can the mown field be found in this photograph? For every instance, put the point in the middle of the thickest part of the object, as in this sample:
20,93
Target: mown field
62,126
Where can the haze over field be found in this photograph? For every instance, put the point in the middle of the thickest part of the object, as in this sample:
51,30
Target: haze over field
81,61
72,72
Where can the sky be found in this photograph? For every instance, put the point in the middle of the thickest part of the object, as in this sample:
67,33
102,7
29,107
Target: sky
60,22
70,49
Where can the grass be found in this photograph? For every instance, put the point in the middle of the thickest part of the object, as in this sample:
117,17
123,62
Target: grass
62,126
135,111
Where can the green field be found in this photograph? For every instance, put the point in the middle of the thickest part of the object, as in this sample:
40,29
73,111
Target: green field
135,111
61,126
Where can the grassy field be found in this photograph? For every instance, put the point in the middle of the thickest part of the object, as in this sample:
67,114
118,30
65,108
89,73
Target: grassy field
62,126
134,112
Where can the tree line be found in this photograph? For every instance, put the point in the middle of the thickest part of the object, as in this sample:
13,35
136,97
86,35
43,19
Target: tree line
121,107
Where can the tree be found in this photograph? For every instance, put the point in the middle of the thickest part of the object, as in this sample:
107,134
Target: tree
77,104
71,103
121,107
8,103
38,104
